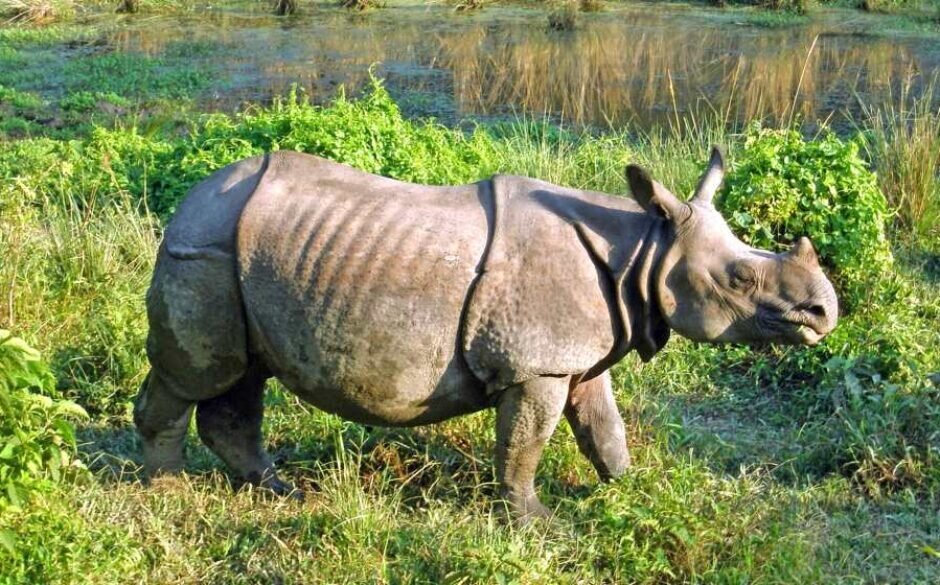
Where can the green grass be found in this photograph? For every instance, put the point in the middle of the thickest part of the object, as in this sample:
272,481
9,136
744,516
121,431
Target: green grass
780,466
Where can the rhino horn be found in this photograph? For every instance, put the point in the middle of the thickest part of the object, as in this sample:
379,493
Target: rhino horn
653,197
802,251
711,179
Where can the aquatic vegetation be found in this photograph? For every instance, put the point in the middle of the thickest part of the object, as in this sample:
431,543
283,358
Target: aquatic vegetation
36,11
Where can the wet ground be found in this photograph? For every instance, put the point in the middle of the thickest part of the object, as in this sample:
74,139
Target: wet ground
639,63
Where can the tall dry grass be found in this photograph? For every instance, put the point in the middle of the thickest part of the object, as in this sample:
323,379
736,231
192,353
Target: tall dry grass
35,11
903,140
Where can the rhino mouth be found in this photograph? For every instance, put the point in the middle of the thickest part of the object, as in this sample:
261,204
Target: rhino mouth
793,327
801,332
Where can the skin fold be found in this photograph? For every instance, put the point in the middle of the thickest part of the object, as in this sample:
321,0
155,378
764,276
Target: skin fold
395,304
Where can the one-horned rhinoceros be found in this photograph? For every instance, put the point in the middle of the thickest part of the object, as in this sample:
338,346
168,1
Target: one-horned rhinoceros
395,304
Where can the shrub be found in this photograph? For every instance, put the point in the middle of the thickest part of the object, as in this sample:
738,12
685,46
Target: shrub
37,442
782,186
86,101
369,133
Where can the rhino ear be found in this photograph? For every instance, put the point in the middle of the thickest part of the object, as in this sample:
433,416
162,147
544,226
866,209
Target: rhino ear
653,197
711,180
802,250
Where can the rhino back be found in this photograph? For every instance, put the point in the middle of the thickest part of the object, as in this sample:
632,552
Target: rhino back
354,286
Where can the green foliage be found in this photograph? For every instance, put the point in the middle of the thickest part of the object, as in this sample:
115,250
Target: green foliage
87,101
881,434
18,112
782,186
37,441
369,134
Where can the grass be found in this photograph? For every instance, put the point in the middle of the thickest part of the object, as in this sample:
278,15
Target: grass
904,141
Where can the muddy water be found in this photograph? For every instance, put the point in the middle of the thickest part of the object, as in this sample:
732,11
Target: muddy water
640,64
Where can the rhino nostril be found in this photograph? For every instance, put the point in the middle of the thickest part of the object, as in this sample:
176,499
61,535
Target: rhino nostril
818,311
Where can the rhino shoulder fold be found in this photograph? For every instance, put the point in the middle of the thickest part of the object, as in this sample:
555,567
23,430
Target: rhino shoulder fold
541,305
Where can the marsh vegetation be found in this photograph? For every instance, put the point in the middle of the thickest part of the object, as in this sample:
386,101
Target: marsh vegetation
783,465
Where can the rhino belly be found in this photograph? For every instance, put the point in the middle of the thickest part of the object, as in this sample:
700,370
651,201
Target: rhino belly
354,293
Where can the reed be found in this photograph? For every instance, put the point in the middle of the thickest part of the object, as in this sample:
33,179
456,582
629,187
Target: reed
35,11
902,137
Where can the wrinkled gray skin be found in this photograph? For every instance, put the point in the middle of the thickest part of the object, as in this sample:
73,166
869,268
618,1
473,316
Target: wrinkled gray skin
396,304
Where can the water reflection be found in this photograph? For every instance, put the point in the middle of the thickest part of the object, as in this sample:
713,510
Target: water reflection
628,64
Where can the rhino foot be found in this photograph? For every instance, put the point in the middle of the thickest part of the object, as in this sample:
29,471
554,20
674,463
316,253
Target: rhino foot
162,418
269,481
524,509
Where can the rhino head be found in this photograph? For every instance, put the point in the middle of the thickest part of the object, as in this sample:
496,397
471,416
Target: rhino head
713,287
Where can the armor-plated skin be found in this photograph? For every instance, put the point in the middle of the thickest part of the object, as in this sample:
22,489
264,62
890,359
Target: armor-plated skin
395,304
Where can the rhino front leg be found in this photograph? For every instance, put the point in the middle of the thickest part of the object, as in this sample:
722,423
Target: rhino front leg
527,414
598,427
230,425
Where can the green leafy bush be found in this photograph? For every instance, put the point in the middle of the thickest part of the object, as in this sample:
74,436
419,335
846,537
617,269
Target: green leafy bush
37,442
369,133
782,186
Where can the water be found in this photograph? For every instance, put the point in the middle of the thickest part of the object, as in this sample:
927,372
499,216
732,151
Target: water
639,64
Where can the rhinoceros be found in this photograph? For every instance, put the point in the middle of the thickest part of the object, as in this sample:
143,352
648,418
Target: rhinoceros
389,303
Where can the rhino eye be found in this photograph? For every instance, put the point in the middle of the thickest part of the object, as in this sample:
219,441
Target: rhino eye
743,277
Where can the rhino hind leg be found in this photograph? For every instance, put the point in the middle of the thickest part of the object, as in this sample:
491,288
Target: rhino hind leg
526,417
162,419
598,427
196,346
230,425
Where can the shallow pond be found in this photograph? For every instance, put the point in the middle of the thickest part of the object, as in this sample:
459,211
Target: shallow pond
641,63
